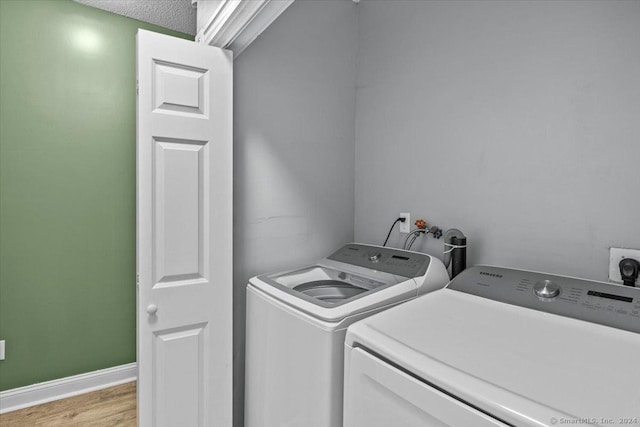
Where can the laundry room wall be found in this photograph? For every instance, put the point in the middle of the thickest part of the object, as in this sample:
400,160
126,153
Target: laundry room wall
294,116
516,122
67,189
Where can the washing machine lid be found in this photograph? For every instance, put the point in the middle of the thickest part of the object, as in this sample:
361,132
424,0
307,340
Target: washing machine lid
331,293
524,366
331,286
354,279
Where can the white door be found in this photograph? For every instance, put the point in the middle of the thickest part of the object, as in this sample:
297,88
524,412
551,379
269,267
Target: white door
184,208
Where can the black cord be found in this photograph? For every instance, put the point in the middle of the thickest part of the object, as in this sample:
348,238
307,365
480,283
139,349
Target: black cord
391,229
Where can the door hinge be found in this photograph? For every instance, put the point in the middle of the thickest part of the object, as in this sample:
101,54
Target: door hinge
137,87
137,280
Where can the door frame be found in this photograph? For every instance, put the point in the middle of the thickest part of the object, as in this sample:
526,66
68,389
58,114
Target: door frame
233,24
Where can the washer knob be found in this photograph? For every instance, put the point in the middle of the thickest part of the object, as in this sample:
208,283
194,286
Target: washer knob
546,289
374,256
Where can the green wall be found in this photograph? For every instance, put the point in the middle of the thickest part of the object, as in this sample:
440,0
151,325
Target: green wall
67,189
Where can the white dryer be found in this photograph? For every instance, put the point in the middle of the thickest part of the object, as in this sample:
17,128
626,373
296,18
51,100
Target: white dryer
499,347
296,324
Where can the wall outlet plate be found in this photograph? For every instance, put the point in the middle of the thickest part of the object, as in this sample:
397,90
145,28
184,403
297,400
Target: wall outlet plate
405,226
1,349
615,256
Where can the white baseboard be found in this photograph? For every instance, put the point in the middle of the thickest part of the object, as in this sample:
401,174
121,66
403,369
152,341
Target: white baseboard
35,394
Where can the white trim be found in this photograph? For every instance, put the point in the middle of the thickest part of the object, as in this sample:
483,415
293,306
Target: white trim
235,23
258,24
36,394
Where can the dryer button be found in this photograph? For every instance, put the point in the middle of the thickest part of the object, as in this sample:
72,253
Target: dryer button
546,289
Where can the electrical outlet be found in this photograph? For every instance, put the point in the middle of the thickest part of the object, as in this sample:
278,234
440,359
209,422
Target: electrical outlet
615,256
405,226
1,349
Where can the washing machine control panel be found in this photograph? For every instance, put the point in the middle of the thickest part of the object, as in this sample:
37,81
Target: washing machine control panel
388,260
598,302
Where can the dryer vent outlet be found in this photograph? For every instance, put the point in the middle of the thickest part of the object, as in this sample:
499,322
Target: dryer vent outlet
615,256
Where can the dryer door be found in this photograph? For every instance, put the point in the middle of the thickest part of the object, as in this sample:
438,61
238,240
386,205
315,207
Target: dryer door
380,395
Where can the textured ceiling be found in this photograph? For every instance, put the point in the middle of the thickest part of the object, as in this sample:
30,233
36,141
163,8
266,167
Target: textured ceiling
176,15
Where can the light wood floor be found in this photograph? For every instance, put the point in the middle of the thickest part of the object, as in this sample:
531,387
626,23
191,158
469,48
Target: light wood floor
115,406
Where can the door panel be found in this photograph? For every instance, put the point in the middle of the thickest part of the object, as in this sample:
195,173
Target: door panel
178,356
184,176
179,172
380,395
180,88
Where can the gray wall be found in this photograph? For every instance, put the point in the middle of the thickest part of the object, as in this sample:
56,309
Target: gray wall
517,122
294,110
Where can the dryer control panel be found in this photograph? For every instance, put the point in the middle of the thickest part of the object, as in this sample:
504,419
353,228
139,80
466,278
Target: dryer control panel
387,260
598,302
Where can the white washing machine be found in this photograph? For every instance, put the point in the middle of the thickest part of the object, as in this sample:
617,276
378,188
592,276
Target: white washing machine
296,324
499,347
